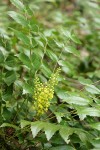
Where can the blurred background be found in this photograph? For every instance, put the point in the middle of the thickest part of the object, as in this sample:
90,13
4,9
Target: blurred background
80,17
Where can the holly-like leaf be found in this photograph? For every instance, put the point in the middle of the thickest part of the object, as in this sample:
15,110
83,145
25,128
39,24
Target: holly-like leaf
85,81
65,147
52,55
50,130
92,89
65,132
10,77
44,1
18,18
1,57
24,123
36,61
25,59
9,125
96,143
36,127
18,4
71,36
27,88
22,37
46,70
77,100
59,116
95,125
72,50
83,135
87,111
62,94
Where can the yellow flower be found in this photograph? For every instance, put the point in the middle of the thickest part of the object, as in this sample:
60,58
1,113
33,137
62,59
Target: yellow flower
43,93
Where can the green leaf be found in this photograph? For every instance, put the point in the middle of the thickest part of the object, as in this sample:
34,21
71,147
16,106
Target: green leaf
60,45
22,37
67,67
65,132
65,64
72,50
38,1
50,130
96,143
40,43
77,100
36,127
29,11
11,61
1,57
89,87
8,96
18,18
92,89
82,135
24,123
49,1
85,81
18,4
52,55
46,70
59,116
9,125
6,114
95,125
34,42
10,77
27,88
25,60
88,111
65,147
36,61
3,34
73,37
62,94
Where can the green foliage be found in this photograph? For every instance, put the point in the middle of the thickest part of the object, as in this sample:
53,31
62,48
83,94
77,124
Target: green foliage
34,44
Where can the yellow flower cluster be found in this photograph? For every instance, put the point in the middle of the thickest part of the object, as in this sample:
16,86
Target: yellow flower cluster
43,93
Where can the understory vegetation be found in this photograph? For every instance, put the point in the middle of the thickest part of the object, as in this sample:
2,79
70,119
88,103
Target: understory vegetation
50,74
